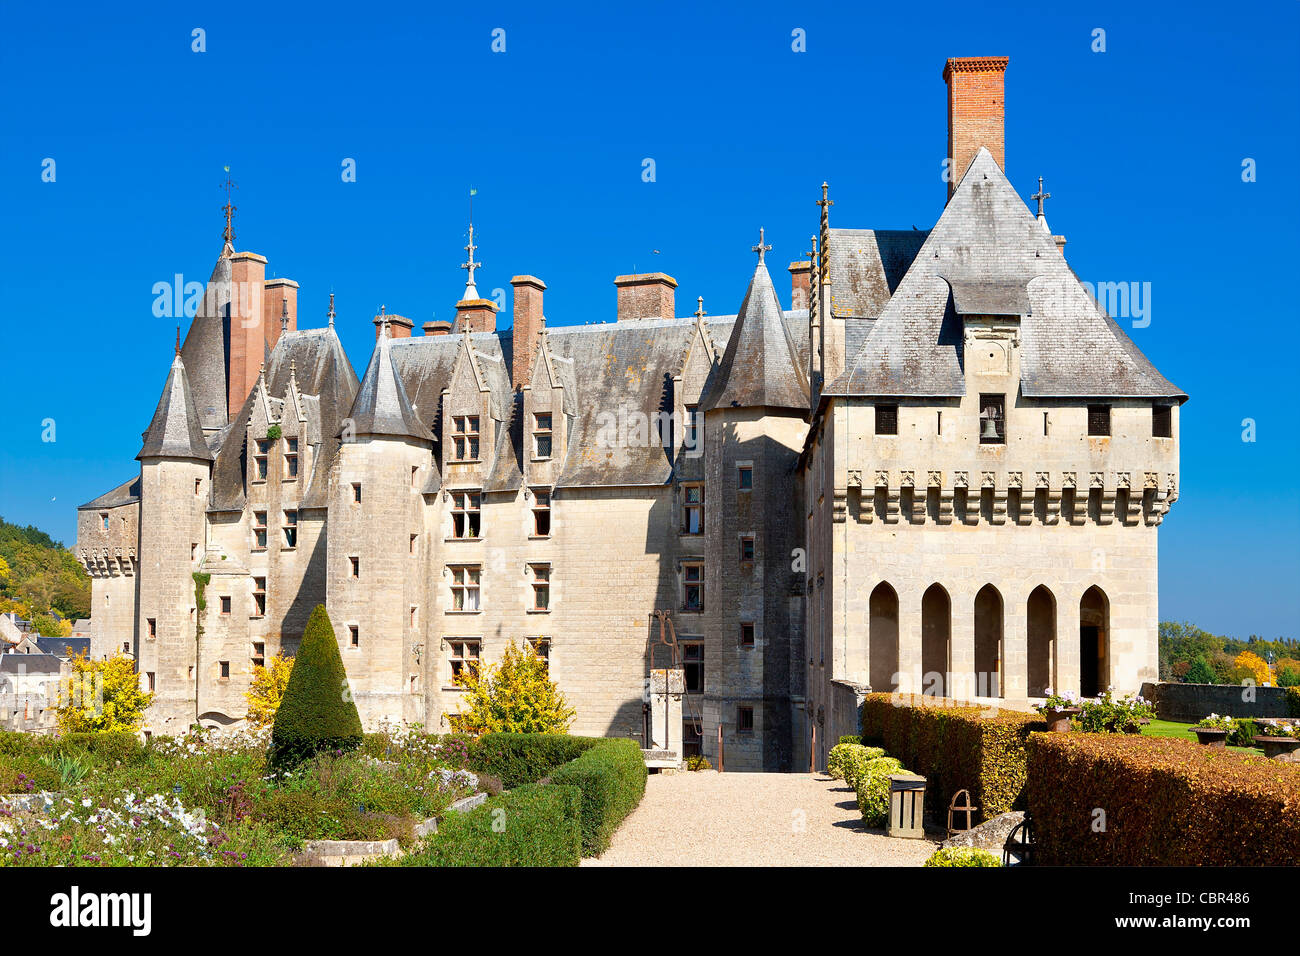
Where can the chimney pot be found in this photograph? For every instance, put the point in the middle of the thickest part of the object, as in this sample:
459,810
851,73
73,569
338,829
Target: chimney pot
647,295
399,326
436,328
800,276
976,111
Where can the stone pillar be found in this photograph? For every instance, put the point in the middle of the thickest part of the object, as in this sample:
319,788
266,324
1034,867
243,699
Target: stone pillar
962,678
909,642
666,688
1015,647
1067,644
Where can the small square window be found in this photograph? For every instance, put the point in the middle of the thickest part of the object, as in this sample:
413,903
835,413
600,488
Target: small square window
747,547
354,635
745,477
1098,421
224,669
744,720
1162,421
225,604
541,647
747,634
887,419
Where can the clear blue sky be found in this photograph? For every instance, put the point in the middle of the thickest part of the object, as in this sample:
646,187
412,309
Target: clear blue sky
1141,146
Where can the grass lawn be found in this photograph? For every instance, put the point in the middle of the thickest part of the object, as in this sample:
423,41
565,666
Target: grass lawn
1172,728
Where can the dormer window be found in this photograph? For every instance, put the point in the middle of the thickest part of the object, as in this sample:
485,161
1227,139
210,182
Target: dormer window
291,529
291,458
993,421
1098,421
542,435
691,440
259,460
464,440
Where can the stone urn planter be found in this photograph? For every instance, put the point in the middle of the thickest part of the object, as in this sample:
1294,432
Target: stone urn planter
1210,736
1286,749
1058,718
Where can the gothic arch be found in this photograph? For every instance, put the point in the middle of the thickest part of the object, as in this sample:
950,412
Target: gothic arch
936,641
1094,642
882,646
1040,635
988,642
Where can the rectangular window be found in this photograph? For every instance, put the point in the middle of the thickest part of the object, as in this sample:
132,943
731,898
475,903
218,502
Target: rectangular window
1098,420
291,458
745,477
259,459
1162,421
693,666
103,520
465,587
747,547
541,587
152,625
462,654
464,438
691,440
356,492
541,646
354,635
354,567
414,539
541,513
198,487
291,529
126,647
692,509
693,587
744,720
259,530
150,682
415,617
887,419
465,514
225,604
224,669
194,550
259,597
993,423
747,634
259,654
415,477
542,435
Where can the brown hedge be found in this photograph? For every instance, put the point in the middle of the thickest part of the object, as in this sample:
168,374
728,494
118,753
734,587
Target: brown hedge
955,746
1167,802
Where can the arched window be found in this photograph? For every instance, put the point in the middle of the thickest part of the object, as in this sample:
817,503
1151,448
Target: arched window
883,639
1040,633
1094,642
936,642
988,642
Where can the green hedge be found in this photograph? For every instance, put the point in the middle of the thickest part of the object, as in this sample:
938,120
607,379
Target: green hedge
1293,701
516,759
955,746
612,778
1167,802
962,856
528,826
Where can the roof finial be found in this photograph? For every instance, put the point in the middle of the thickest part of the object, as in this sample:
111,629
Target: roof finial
1040,196
178,340
824,262
383,321
331,312
760,248
699,310
228,185
470,265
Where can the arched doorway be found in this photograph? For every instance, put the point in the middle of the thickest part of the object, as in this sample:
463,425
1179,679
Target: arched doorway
1094,642
1040,627
988,642
883,639
936,641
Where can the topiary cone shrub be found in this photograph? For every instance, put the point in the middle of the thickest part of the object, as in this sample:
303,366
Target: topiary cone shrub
316,713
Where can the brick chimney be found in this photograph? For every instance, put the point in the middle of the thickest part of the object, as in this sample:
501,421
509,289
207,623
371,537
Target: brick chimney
800,275
279,294
528,324
475,315
976,106
437,328
248,334
399,326
649,295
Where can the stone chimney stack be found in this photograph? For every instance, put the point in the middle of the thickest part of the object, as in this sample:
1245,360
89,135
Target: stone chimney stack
437,328
248,334
476,315
399,326
528,325
280,293
800,274
976,107
648,295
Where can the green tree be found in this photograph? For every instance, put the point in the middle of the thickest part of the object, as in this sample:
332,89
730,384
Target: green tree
516,697
317,712
1201,672
102,696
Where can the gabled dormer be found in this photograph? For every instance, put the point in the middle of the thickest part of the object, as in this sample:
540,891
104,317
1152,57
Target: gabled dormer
547,416
699,360
468,428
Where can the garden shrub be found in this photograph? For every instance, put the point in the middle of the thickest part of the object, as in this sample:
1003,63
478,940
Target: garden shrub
955,746
1293,701
525,758
1168,802
111,747
962,856
849,739
1244,732
854,758
317,713
612,778
541,828
873,790
696,762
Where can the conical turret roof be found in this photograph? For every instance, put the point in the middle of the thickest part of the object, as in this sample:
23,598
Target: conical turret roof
381,406
175,431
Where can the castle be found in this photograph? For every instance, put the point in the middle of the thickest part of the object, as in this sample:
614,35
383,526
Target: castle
941,469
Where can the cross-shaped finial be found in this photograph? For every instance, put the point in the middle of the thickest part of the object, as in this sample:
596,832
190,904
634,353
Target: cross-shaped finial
825,201
470,265
760,248
699,310
229,207
1040,196
331,312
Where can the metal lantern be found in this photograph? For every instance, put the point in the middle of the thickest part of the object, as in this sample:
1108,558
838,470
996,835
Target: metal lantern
906,806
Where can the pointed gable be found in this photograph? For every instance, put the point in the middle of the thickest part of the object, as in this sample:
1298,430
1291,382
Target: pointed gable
205,348
381,406
175,431
988,256
761,366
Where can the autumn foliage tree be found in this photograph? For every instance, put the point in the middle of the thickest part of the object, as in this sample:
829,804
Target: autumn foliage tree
1250,666
517,696
102,696
267,690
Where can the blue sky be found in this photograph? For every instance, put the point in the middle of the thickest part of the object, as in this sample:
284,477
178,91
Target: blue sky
1141,146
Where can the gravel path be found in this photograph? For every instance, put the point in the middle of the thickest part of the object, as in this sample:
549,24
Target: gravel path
753,819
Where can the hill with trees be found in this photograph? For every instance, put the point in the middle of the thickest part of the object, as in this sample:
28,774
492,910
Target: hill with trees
41,580
1193,656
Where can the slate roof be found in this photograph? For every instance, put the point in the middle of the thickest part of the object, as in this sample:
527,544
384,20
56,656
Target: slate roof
30,664
124,494
175,431
381,406
761,368
64,647
989,255
206,345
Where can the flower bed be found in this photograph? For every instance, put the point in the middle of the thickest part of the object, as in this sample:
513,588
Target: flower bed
1161,801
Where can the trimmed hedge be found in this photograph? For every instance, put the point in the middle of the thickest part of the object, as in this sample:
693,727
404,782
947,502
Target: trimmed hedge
962,856
872,786
528,826
852,760
516,759
955,746
612,777
1167,802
